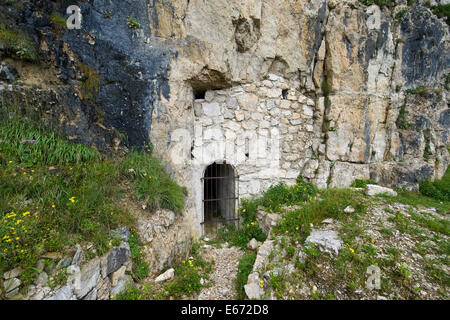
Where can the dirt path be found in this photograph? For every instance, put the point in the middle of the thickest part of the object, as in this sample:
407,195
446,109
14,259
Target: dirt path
222,279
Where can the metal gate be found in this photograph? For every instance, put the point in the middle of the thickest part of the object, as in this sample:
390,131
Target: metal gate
220,197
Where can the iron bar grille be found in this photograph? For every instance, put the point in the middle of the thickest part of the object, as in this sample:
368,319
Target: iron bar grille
220,198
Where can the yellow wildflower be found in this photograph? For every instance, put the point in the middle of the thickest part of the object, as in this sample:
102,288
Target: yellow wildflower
351,250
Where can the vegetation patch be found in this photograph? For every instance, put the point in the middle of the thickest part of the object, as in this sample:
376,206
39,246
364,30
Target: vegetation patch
58,21
91,85
56,194
281,195
247,230
438,189
17,44
133,23
402,122
442,11
245,267
140,267
331,204
359,183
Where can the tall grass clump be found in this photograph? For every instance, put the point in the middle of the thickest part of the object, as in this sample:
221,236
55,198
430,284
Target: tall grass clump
55,194
245,267
32,144
152,183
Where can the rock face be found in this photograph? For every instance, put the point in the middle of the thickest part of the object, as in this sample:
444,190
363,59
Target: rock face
330,90
100,278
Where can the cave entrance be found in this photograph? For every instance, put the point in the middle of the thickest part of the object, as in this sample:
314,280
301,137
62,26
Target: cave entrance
220,197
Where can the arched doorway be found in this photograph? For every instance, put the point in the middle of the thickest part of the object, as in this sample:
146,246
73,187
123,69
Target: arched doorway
220,197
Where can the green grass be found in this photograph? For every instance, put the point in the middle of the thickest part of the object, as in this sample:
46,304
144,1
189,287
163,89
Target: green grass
438,189
188,275
358,183
281,195
140,267
16,44
133,23
58,21
55,194
332,202
245,267
152,183
433,224
442,10
248,229
48,149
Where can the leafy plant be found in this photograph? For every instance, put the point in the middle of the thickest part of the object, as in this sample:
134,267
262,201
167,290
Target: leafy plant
133,23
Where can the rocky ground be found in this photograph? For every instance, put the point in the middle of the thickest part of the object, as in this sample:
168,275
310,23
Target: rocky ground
409,245
221,285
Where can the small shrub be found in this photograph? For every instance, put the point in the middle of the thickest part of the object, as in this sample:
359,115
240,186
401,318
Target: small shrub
133,23
421,91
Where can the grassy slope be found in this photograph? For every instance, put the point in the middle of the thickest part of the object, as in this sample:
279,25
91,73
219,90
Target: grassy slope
55,194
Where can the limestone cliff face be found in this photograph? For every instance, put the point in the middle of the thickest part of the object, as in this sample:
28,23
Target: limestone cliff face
338,90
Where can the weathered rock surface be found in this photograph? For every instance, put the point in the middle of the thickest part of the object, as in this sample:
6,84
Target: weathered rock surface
254,289
117,257
169,274
373,190
65,293
326,240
